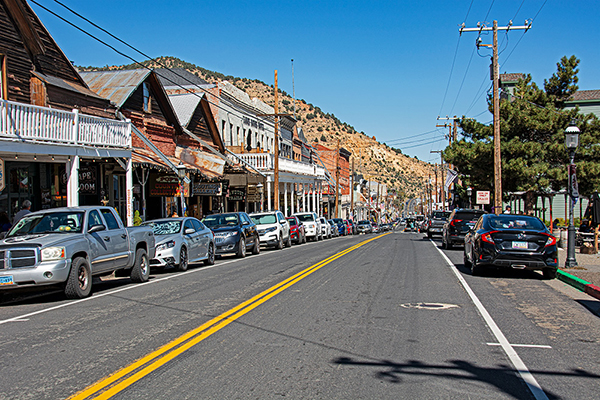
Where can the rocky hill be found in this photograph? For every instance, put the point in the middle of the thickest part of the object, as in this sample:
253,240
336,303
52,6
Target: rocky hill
374,160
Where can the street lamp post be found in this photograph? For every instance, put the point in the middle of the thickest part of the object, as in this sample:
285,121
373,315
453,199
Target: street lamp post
571,142
469,193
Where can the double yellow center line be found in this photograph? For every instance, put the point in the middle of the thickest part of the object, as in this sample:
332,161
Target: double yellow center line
115,383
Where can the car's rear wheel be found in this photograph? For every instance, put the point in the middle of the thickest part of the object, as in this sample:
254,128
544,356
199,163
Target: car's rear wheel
210,259
289,241
466,261
141,269
256,248
476,270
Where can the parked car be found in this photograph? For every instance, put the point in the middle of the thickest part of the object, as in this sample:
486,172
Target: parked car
311,223
354,232
458,224
386,227
180,241
511,241
334,228
364,226
375,227
234,233
410,224
325,228
66,247
296,230
435,224
273,229
342,230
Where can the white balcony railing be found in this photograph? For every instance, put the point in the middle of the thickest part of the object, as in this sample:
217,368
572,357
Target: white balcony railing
41,124
264,163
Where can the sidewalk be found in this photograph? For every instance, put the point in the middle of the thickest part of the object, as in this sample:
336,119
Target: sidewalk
587,269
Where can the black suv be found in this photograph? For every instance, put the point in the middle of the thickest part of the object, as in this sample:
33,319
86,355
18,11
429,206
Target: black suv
458,224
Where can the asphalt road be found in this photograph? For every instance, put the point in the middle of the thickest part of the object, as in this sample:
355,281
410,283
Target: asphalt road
362,317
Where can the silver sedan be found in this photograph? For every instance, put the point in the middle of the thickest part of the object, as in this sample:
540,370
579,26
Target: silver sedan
180,241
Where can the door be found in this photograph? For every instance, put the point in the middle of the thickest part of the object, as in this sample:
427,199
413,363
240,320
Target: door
203,237
192,240
100,251
117,240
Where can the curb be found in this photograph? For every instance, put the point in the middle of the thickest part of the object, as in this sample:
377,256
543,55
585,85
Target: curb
579,284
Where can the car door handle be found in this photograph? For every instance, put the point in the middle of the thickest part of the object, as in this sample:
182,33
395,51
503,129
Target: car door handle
107,238
123,235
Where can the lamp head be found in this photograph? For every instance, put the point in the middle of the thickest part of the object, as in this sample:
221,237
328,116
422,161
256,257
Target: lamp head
572,136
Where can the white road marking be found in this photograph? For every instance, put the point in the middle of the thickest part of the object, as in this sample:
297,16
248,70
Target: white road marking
535,346
514,358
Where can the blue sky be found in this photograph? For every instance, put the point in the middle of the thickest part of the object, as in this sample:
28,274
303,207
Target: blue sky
388,68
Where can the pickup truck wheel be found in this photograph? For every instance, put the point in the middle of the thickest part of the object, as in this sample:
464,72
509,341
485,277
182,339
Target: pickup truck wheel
183,260
241,253
210,260
79,283
141,269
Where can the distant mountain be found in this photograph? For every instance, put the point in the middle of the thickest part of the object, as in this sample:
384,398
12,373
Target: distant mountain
374,160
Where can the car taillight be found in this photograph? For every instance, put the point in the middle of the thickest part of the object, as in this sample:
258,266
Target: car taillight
454,221
551,240
487,237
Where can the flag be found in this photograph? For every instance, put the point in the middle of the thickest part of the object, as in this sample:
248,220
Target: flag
452,175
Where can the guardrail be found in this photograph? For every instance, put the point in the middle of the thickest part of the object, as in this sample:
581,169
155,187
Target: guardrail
26,122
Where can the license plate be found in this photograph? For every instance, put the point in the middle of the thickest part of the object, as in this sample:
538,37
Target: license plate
520,245
6,280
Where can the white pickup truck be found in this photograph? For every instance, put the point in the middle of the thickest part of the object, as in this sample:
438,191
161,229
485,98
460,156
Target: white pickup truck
66,247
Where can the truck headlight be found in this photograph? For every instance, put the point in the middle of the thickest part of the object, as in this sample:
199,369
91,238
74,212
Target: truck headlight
53,253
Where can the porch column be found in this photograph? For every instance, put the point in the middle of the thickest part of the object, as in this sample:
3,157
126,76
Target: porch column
314,199
304,197
129,191
292,199
285,201
72,168
269,195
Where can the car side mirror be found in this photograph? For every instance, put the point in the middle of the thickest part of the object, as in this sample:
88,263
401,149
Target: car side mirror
245,223
96,228
189,231
282,221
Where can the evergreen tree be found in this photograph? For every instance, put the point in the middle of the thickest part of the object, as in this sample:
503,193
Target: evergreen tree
532,124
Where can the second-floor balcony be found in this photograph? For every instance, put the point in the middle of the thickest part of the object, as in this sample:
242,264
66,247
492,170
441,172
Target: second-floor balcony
26,123
264,162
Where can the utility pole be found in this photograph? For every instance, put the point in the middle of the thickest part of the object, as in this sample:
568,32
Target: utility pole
337,178
451,137
276,146
442,177
352,189
496,99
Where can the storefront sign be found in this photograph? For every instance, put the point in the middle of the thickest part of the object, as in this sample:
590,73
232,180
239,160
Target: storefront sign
2,180
237,194
164,185
483,197
207,189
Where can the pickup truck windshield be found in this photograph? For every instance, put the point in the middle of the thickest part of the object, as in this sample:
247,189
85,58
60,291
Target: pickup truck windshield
57,222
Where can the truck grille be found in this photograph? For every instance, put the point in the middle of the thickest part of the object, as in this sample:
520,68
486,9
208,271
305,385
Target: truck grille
18,258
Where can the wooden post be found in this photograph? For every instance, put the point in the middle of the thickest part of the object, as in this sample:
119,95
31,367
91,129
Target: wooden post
276,151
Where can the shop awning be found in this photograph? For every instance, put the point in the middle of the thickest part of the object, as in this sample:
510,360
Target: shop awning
146,158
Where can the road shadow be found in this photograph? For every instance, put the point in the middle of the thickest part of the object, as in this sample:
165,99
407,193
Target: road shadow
503,377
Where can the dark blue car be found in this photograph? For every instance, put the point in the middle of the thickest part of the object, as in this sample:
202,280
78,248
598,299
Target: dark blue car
234,233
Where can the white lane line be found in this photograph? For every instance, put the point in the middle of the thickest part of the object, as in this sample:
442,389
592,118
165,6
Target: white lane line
514,358
535,346
22,318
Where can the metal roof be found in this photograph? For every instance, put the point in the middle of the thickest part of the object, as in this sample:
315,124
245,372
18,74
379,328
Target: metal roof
117,86
185,105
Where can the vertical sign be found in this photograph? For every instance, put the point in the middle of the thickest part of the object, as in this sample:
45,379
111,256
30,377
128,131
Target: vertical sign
2,184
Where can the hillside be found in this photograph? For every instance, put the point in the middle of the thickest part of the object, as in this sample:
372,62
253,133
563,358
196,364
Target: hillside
374,160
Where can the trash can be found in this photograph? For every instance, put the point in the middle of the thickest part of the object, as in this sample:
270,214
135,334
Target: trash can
564,237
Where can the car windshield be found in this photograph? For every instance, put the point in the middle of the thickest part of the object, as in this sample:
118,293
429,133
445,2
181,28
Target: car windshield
55,222
440,214
515,222
164,227
363,222
264,219
217,220
305,217
291,221
338,220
